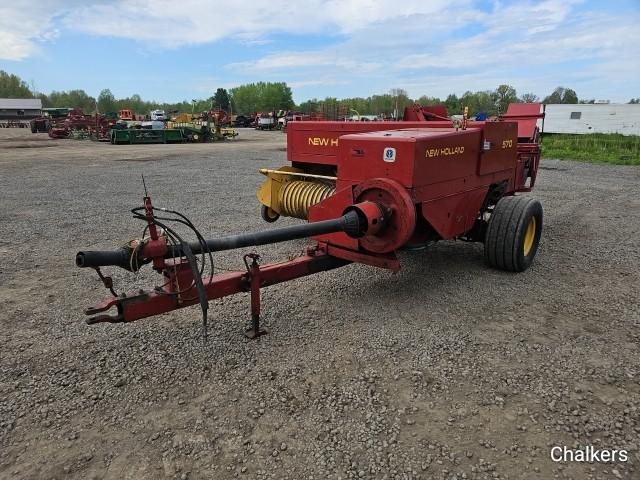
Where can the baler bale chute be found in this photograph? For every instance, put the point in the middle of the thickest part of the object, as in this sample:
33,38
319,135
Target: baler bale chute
367,190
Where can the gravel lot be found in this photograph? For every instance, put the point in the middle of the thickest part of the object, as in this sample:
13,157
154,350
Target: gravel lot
447,370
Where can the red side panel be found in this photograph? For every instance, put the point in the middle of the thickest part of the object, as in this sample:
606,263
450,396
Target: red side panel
454,215
362,157
442,158
317,142
499,146
527,115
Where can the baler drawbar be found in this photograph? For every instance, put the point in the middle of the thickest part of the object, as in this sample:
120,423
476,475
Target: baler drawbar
184,285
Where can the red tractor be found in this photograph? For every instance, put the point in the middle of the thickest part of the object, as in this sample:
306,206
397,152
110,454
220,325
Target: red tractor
367,190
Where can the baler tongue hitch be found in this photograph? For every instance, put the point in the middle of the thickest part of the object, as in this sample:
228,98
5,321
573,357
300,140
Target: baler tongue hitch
184,285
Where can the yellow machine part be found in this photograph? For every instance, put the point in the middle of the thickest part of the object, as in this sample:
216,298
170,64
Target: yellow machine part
189,124
298,196
228,132
183,118
288,193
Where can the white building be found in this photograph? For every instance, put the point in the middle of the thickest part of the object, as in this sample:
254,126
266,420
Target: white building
592,118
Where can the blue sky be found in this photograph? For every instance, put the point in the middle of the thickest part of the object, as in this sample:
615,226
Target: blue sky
170,50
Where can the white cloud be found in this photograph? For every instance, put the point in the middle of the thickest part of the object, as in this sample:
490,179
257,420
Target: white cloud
296,60
585,37
422,45
316,82
534,46
22,27
168,23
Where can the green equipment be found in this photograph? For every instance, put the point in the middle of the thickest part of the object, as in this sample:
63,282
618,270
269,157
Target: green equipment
143,135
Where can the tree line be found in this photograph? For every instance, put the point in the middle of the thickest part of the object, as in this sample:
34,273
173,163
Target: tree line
491,102
268,96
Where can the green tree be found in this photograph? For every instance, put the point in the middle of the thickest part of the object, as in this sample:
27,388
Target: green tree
428,101
246,98
262,97
310,106
529,98
330,107
12,86
46,103
483,101
634,101
505,94
570,96
73,99
400,99
221,99
453,104
562,95
106,101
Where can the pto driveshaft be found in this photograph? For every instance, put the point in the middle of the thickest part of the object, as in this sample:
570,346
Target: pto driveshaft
350,223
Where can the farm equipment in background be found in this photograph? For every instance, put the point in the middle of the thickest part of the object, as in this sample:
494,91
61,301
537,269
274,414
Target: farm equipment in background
79,126
266,121
422,113
75,121
367,190
17,124
204,127
126,115
50,117
184,127
59,132
276,119
132,136
40,125
241,121
158,115
100,131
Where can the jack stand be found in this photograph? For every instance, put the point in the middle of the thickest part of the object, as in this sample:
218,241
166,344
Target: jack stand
254,278
255,330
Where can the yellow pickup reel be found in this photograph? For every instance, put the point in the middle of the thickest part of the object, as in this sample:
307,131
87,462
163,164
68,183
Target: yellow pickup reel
289,192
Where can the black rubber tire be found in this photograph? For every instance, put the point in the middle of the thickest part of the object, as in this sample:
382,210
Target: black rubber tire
267,216
505,238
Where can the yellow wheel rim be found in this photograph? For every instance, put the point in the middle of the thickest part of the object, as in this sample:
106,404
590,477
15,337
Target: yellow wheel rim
529,236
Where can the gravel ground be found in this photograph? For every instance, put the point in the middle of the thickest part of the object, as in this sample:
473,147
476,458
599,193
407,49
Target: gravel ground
447,370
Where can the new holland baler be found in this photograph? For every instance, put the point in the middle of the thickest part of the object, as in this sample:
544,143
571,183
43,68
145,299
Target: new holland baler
366,190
